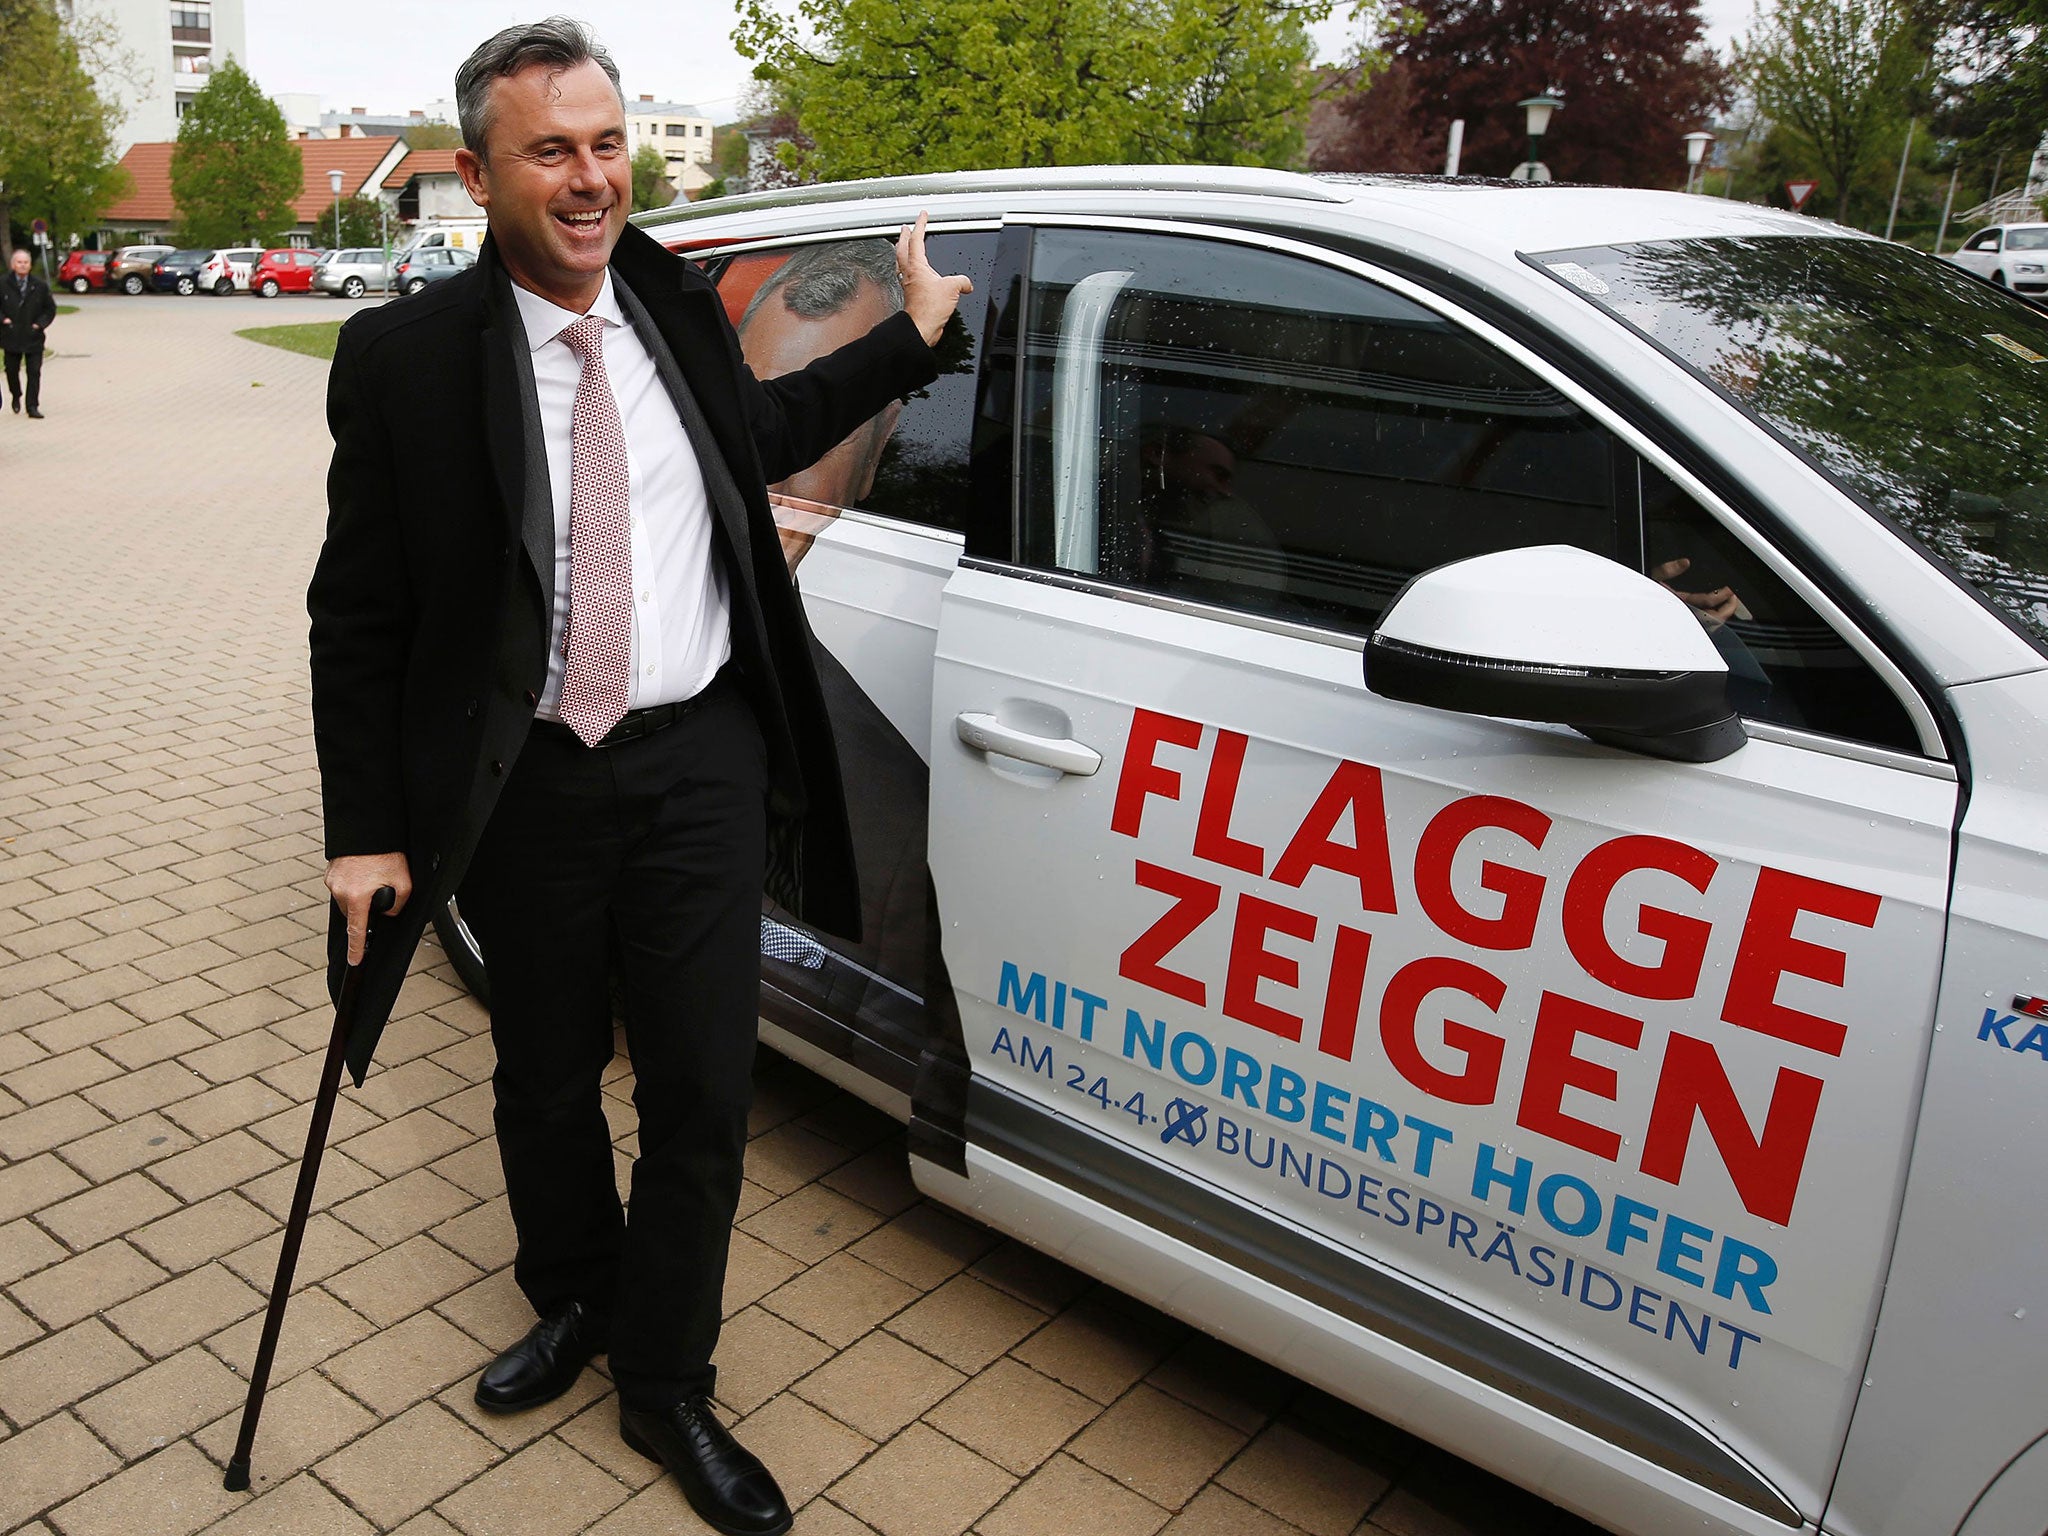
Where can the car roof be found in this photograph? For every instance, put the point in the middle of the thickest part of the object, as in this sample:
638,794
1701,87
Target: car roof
1496,219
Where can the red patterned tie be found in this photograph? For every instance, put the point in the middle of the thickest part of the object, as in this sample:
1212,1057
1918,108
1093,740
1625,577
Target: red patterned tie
598,653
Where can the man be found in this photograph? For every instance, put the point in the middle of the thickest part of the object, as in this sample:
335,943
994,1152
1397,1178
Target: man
26,310
557,660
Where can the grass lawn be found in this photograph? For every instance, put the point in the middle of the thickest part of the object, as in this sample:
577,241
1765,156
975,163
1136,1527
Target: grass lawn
315,339
67,309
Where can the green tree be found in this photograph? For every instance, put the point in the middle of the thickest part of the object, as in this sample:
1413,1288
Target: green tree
57,158
236,173
362,223
1842,77
885,86
651,186
433,136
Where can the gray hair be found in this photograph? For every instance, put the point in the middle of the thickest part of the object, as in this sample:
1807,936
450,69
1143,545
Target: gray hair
560,42
821,280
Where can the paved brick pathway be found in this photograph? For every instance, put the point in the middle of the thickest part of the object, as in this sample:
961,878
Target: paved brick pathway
162,1015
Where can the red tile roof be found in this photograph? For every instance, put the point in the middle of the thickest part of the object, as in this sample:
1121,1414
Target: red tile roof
421,162
150,166
149,201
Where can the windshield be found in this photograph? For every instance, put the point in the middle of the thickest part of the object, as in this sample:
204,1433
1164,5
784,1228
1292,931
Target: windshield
1921,391
2027,240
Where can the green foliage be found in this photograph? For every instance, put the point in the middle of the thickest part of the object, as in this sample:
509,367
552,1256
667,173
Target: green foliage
362,223
1840,78
433,136
713,188
651,186
236,172
887,86
57,158
315,339
728,151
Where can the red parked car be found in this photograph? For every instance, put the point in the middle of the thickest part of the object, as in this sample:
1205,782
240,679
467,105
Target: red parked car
284,271
84,270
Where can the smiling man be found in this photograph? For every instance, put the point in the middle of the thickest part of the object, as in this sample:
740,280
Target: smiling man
559,668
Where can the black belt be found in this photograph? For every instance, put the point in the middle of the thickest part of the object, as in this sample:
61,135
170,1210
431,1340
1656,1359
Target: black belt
636,723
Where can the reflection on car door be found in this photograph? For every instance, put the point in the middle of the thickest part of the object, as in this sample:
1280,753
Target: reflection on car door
870,533
1588,1074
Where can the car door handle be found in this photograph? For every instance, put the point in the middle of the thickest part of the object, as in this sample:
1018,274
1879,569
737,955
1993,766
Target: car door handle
985,733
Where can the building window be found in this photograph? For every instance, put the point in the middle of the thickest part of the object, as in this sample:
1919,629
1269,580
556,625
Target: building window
678,130
190,25
700,130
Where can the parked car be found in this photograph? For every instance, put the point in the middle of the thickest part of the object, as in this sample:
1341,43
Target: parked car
350,273
133,268
284,271
1625,972
181,271
421,267
2013,256
84,270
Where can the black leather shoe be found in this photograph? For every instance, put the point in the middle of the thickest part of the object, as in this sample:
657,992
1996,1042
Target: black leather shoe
723,1480
544,1364
17,406
35,415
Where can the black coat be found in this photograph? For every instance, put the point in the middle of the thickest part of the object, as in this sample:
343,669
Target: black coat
429,618
24,315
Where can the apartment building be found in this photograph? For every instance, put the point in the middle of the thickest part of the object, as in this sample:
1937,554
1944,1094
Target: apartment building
680,132
174,45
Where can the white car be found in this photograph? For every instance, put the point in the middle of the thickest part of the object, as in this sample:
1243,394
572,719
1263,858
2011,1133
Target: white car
2013,256
1482,754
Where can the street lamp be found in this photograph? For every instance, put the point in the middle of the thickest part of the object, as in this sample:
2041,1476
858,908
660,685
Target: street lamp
1538,110
334,181
1695,151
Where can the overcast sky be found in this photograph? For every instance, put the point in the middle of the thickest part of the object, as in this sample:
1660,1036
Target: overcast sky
394,55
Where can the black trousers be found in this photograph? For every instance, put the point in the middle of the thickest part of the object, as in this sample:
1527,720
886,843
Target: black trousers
643,859
35,378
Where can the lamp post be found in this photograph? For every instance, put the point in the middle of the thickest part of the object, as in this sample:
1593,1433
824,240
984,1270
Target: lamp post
1537,110
334,181
1695,151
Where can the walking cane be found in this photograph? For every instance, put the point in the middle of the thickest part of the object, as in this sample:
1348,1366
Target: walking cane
237,1480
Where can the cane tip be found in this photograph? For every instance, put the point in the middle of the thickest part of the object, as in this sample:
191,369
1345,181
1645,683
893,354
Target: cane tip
237,1480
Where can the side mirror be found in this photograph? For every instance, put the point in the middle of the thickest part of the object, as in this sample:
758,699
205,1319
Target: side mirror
1554,633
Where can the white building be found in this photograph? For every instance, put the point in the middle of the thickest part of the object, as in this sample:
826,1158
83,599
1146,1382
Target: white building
681,133
173,46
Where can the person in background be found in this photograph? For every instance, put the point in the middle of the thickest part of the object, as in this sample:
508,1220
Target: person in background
26,310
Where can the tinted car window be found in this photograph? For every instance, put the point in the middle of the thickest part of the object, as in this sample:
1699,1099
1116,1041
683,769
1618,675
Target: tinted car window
791,306
1245,428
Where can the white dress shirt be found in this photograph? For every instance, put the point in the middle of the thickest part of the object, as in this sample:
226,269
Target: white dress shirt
682,630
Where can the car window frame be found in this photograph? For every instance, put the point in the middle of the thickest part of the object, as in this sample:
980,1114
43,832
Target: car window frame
712,259
1934,757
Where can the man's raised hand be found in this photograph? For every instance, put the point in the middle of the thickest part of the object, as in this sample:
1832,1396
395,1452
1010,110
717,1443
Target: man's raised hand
929,297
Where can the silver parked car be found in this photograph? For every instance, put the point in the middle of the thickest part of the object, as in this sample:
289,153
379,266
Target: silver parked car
2013,256
1526,704
350,273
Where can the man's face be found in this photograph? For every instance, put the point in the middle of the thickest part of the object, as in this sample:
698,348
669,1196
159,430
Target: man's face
777,341
19,262
556,182
1200,470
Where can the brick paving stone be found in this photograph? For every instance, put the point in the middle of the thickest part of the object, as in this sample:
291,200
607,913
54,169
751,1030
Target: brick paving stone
63,1368
1095,1349
400,1468
1217,1512
231,1106
411,1141
131,1144
544,1490
1289,1474
510,1431
214,1227
57,1075
1065,1496
24,1249
304,1420
16,1326
879,1179
595,1432
46,1464
925,1246
95,1280
188,1308
243,1056
24,1134
326,1247
106,1211
483,1235
301,1507
173,1493
136,1093
879,1385
967,1324
1013,1416
388,1213
1157,1445
1224,1383
1030,1276
400,1281
811,1223
215,1165
163,1403
316,1328
840,1299
398,1366
922,1484
476,1168
808,1450
787,1158
341,1177
759,1355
